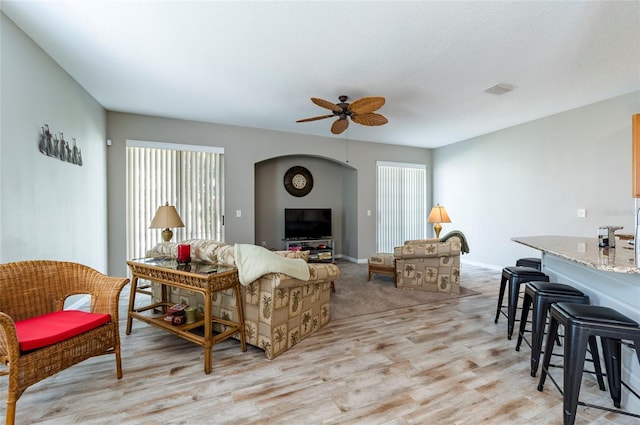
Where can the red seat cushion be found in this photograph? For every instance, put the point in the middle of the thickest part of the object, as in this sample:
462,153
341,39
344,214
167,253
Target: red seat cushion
50,328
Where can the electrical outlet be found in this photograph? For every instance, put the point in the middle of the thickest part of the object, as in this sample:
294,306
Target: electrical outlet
582,213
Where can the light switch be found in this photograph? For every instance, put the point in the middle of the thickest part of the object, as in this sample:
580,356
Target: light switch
238,213
582,213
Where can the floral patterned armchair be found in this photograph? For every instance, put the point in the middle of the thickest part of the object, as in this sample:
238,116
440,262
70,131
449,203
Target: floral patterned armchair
429,265
279,311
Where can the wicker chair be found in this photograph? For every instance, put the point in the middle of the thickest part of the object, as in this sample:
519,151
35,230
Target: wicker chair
33,288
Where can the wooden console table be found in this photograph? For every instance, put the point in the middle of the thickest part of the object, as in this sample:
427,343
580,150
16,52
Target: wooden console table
205,279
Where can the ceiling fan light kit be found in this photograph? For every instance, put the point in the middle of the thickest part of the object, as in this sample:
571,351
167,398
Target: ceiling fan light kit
361,111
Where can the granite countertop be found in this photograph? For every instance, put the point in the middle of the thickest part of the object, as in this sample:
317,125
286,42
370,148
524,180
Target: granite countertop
585,251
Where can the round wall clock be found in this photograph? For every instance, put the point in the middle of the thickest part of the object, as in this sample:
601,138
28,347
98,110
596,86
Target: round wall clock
298,181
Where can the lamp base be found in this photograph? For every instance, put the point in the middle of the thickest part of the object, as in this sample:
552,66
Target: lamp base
437,228
167,234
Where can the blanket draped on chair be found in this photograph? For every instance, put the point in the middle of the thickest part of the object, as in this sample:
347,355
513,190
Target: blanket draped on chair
255,261
464,246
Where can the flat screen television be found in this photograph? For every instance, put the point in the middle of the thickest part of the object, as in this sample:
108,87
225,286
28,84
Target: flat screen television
307,223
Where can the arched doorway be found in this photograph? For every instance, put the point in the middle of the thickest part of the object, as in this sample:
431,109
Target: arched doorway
335,186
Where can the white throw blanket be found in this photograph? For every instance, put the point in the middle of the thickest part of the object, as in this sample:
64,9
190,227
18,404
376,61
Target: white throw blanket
255,261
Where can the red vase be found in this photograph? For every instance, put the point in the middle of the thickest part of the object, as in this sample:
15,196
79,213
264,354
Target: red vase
184,253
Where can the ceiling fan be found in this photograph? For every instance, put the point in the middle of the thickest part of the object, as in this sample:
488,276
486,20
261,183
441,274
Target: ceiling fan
361,111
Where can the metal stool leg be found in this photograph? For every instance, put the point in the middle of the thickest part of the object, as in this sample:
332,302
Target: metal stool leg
503,285
546,361
575,349
514,293
612,350
526,305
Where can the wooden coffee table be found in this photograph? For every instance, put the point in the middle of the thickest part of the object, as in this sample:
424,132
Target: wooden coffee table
205,279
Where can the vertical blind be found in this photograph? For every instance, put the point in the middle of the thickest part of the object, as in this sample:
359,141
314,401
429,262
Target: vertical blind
189,178
401,204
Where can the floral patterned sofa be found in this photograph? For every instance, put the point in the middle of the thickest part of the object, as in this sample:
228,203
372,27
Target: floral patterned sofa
279,311
429,265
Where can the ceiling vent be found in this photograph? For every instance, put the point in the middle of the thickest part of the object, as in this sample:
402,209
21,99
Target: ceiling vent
501,88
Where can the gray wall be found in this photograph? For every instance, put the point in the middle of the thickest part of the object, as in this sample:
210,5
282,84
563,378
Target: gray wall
349,236
48,209
244,148
532,179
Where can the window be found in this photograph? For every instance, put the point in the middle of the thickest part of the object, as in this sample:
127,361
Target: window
189,177
401,204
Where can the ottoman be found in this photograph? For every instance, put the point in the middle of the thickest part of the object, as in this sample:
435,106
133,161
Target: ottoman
383,263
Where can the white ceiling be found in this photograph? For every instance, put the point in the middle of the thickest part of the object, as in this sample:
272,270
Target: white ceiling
256,64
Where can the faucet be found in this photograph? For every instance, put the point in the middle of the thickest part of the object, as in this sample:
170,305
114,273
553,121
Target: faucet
612,235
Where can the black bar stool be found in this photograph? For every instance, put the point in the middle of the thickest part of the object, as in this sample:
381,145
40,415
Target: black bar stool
515,276
582,322
541,295
533,262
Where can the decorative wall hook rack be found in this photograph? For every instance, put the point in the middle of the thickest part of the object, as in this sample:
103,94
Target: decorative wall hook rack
55,147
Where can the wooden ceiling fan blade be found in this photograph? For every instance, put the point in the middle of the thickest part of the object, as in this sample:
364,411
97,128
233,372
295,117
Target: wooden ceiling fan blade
369,119
366,105
326,104
339,126
316,118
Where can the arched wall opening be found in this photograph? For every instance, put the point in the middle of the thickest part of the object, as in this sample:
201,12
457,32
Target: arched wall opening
334,186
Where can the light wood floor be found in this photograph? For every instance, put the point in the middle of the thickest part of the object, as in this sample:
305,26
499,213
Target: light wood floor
445,363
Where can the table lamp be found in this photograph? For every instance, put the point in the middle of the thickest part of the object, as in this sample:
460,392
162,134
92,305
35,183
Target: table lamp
438,215
166,217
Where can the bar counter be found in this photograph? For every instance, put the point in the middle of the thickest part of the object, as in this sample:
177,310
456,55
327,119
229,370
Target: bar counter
585,251
610,276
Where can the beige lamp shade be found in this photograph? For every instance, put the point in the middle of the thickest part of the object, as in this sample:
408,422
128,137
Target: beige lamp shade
438,215
166,217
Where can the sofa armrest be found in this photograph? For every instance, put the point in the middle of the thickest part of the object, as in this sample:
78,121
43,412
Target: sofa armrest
428,248
163,249
421,241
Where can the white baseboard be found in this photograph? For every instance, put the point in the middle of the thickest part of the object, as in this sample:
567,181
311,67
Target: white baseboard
479,264
352,259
